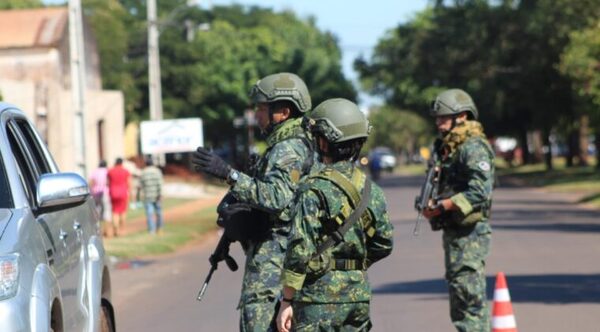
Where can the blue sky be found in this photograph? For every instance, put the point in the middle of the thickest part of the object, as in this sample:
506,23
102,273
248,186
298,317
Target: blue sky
357,24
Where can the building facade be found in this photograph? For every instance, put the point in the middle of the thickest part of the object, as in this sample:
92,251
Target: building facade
35,75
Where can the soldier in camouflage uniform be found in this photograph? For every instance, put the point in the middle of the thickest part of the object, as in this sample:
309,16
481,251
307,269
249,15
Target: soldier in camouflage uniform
326,288
466,183
280,101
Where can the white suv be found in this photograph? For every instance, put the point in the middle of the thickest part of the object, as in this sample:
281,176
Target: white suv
53,274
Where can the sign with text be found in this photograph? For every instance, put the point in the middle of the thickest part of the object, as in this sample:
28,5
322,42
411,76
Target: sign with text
169,136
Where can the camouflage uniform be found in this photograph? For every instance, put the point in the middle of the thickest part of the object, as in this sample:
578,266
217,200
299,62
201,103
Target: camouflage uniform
333,291
270,189
467,177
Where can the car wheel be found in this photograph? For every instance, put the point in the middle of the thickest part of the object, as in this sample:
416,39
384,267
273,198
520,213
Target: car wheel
106,324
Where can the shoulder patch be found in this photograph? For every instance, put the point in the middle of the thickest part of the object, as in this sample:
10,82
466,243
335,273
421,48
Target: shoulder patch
295,175
484,166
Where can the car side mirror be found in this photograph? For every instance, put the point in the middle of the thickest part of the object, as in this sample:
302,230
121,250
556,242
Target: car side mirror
61,189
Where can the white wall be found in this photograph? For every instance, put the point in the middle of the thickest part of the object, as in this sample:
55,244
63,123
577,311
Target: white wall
100,105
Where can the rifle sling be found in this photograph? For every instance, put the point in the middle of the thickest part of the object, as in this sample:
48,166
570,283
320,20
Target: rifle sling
352,218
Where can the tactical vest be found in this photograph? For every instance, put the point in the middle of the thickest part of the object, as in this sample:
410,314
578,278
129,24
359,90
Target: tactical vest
453,181
322,261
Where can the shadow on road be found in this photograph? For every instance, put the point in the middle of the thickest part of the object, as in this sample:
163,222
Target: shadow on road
529,202
525,214
545,288
572,228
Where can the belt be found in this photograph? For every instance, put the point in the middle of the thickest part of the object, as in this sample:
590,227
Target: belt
348,264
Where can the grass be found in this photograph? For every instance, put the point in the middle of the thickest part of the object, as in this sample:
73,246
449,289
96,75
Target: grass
411,169
175,234
582,180
166,204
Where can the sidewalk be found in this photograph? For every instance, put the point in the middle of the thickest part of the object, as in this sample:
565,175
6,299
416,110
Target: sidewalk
206,196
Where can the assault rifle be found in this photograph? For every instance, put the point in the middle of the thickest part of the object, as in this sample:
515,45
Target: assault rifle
429,191
227,209
221,253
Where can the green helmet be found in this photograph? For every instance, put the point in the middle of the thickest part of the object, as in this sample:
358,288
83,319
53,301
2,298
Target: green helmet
453,101
282,86
339,120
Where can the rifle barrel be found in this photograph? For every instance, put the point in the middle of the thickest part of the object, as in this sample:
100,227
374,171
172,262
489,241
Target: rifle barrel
206,281
417,224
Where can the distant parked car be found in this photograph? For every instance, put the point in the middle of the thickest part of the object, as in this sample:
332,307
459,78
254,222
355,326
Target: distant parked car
384,156
53,273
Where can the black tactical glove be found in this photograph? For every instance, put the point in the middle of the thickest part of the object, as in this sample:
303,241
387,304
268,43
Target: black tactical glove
207,162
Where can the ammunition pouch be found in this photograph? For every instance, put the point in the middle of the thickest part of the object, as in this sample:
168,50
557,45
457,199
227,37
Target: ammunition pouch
319,265
456,219
243,223
436,224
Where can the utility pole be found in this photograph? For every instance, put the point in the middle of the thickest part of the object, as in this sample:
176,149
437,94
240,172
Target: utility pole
154,86
78,81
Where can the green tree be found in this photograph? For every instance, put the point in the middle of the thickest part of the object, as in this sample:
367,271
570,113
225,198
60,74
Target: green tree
403,131
210,75
548,25
505,54
108,20
445,47
20,4
580,61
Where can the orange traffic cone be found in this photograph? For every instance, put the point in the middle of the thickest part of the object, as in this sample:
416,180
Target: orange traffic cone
503,319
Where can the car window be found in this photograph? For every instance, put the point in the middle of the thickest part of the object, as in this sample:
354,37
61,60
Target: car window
5,196
27,169
37,151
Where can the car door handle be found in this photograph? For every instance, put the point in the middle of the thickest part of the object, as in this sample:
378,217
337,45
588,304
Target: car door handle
76,226
62,235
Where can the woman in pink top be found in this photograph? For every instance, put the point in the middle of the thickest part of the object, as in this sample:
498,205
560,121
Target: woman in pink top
99,189
118,188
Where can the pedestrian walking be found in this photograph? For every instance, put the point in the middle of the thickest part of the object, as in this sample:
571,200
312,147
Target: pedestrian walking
150,189
340,228
466,180
280,102
99,191
119,184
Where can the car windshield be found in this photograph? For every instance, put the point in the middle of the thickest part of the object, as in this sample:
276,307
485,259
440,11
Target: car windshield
5,196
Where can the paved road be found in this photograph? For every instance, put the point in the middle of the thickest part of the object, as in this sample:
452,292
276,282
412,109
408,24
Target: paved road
548,248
